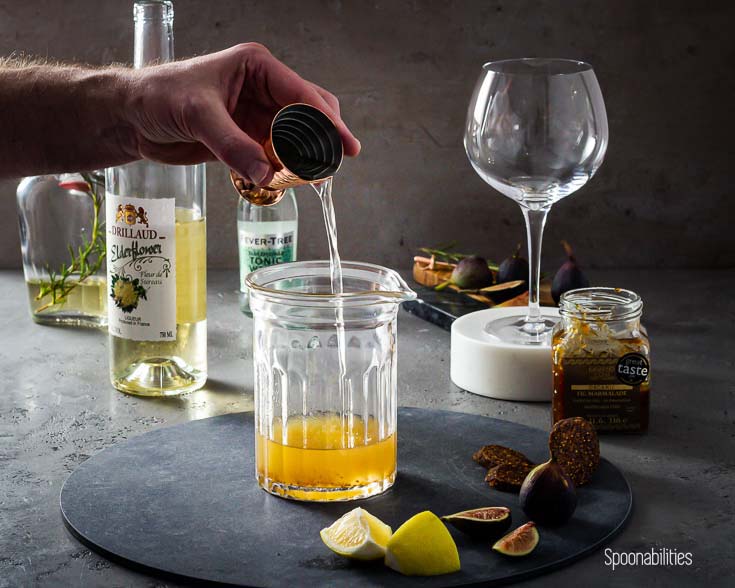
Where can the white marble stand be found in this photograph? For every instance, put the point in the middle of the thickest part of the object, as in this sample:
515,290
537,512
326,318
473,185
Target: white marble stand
484,365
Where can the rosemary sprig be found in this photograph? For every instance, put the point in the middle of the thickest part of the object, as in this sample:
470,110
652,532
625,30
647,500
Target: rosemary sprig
445,253
85,262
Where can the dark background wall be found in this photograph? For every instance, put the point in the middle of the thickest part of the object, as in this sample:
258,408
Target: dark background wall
404,71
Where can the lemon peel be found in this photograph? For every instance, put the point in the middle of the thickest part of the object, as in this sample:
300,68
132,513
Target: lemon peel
422,546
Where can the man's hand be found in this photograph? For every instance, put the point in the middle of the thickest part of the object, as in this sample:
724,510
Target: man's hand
221,105
67,118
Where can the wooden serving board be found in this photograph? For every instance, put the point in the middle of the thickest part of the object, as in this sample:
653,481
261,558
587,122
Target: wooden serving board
182,502
444,306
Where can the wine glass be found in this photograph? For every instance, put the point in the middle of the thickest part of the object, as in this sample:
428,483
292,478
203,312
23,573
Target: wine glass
536,131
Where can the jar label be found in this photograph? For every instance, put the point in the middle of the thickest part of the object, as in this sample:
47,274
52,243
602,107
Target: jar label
593,390
263,244
141,267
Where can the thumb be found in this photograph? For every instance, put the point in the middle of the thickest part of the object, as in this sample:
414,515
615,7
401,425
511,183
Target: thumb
231,145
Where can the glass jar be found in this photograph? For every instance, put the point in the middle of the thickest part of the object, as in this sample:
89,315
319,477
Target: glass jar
601,360
63,244
325,379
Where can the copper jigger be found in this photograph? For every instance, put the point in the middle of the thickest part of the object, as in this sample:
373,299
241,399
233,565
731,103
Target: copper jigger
304,147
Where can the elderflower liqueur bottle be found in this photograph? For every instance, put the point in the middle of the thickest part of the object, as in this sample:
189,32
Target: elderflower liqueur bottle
266,235
156,254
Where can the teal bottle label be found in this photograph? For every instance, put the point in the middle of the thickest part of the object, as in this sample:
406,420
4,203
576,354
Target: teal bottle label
261,246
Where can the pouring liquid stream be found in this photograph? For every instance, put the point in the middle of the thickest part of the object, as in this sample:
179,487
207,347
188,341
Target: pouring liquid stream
324,191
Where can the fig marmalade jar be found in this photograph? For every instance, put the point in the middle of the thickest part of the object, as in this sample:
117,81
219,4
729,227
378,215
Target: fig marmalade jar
601,360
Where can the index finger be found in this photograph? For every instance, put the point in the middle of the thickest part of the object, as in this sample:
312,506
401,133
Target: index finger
286,87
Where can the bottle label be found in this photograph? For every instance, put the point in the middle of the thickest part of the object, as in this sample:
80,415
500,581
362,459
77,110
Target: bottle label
260,246
605,391
141,267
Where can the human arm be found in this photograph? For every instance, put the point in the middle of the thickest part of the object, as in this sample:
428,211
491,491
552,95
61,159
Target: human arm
60,118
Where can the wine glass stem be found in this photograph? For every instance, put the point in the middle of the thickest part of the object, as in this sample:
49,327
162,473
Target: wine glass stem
535,221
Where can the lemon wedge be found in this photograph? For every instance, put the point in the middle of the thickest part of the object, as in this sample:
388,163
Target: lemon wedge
422,546
358,535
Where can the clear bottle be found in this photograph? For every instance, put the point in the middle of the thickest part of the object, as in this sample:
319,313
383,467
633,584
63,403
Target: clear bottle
59,214
266,235
156,254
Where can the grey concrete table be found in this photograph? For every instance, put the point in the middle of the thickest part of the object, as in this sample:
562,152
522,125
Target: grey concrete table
57,408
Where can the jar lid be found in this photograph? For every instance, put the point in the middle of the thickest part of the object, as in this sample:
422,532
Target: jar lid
601,304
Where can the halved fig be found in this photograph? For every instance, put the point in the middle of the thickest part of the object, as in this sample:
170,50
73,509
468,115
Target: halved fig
522,541
488,522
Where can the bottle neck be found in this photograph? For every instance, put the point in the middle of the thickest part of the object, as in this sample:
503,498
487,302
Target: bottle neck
154,32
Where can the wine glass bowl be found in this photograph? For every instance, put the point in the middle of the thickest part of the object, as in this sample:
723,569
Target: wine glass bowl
536,131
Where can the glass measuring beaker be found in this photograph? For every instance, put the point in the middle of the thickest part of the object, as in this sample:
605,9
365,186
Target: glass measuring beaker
325,433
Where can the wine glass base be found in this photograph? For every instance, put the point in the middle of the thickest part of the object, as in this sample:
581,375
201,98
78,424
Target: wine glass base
518,331
485,365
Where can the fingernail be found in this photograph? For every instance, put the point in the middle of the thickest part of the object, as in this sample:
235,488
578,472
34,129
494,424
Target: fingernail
259,172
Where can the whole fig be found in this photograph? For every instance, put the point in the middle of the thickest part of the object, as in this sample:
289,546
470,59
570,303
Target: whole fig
569,276
472,272
547,495
513,268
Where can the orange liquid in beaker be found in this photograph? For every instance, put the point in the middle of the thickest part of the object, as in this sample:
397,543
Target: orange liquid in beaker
326,457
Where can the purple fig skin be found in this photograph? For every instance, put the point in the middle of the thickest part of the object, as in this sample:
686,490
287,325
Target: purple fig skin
513,268
472,272
548,496
488,529
569,276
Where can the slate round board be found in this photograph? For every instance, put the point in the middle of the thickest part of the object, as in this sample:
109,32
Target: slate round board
182,501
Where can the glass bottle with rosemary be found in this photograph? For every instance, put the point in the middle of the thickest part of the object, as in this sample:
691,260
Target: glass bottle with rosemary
61,219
